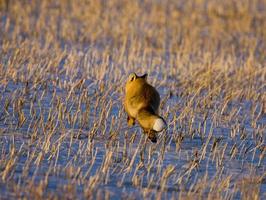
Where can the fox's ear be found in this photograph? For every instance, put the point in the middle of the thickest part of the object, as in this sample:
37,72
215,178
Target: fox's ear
132,77
144,76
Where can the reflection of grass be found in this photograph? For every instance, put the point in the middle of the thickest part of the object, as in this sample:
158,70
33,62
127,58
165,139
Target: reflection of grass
63,67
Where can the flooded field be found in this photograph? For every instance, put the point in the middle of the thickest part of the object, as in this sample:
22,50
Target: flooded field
63,128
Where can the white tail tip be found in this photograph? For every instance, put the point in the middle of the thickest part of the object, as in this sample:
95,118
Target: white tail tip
159,125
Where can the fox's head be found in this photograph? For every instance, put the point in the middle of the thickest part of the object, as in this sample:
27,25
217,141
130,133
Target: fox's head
134,81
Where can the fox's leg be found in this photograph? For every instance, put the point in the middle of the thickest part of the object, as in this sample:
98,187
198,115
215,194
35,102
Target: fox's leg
130,121
151,135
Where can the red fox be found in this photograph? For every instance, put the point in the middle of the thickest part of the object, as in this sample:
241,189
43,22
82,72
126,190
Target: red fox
141,104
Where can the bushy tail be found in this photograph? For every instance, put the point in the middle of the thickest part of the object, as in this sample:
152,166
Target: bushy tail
150,121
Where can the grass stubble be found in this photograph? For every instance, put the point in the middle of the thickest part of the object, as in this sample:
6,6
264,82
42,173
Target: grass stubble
63,130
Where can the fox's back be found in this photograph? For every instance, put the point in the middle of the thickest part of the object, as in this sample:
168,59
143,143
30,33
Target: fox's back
139,95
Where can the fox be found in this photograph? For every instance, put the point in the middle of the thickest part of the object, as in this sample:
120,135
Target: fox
141,104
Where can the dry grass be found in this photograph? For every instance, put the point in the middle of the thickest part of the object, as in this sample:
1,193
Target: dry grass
63,130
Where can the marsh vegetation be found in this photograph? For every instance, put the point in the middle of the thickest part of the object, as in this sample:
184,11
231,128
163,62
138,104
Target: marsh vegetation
63,130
